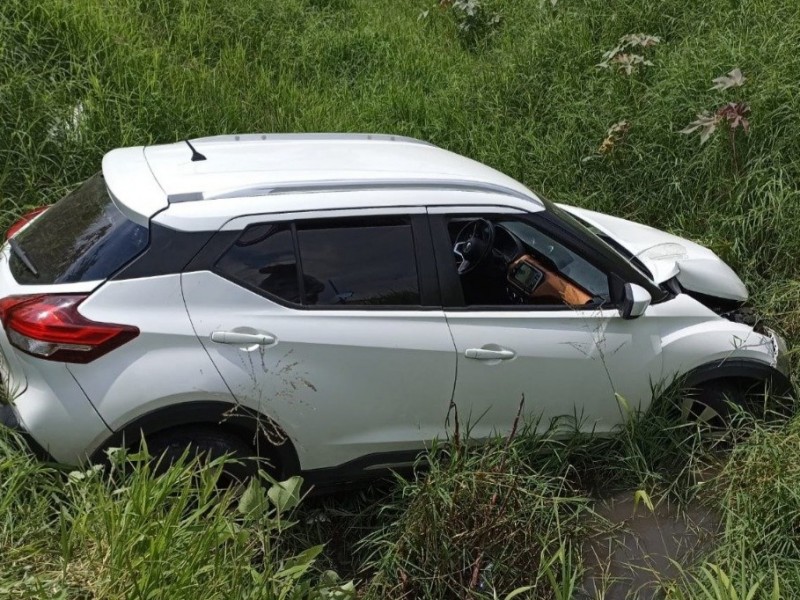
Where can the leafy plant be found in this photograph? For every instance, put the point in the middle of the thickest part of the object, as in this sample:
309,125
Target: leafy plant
731,80
731,115
131,530
621,58
474,18
614,136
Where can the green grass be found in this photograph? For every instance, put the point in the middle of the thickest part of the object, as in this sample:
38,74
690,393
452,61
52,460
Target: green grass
125,532
523,95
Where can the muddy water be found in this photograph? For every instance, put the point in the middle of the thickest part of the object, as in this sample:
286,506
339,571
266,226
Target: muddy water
637,555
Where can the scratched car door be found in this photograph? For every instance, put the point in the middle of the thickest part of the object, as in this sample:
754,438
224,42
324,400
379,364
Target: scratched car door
325,330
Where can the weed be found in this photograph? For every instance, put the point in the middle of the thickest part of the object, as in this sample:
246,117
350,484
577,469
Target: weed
733,115
622,58
130,533
714,583
475,20
461,528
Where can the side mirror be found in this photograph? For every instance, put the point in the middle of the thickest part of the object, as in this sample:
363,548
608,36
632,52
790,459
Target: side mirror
635,301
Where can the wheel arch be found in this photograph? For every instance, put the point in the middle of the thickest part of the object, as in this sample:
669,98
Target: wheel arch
739,368
260,431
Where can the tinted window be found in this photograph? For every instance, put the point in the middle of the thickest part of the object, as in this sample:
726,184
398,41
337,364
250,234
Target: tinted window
263,258
352,262
345,262
82,237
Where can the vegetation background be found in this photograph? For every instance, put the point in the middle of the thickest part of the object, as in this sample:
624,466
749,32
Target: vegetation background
550,92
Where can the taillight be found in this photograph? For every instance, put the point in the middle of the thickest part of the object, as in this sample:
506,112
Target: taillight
24,220
50,327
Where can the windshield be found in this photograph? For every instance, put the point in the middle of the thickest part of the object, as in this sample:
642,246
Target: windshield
82,237
622,250
624,264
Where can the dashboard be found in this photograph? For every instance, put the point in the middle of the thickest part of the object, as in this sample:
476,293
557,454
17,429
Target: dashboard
536,270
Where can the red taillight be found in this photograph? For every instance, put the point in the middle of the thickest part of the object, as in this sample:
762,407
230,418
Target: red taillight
24,220
50,327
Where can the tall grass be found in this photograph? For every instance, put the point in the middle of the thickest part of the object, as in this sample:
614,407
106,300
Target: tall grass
758,492
481,521
131,533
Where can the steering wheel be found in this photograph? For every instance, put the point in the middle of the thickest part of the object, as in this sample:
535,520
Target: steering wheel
473,244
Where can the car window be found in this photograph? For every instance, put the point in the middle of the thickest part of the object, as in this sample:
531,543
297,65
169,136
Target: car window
344,262
82,237
523,266
358,262
264,258
570,264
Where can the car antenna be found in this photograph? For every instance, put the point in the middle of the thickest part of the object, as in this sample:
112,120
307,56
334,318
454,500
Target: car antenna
195,154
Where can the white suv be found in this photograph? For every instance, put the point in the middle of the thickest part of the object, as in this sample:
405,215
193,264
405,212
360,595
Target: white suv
324,300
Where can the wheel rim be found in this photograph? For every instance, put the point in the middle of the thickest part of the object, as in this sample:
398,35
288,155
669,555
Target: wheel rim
695,411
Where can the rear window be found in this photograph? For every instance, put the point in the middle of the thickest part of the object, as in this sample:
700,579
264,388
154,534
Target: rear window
358,262
82,237
344,262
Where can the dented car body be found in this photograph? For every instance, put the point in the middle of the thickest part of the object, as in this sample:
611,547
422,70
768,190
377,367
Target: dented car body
327,300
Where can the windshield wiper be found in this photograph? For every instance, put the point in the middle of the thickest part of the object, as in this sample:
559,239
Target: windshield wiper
23,256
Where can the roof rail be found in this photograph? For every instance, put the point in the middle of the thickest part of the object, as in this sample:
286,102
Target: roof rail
259,137
341,186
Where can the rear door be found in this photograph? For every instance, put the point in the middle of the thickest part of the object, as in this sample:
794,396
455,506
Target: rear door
330,324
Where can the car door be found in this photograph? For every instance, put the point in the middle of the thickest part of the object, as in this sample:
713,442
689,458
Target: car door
565,360
330,325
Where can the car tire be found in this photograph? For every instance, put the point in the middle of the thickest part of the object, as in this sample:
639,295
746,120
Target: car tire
712,403
208,443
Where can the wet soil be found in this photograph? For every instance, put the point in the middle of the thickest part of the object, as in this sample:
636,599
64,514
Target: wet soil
633,559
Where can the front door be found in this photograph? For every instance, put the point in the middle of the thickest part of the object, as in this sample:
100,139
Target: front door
531,319
324,326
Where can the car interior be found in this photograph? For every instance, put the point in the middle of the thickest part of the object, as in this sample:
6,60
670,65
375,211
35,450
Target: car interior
503,262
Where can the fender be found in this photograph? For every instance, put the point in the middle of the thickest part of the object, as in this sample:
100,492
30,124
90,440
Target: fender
740,367
237,419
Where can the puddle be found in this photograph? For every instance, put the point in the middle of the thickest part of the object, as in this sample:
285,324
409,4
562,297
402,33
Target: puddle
631,560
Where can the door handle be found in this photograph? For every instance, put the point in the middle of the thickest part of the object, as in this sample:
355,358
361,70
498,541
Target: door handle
242,339
485,354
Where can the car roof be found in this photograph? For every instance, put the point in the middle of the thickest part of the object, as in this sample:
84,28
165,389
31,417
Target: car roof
145,180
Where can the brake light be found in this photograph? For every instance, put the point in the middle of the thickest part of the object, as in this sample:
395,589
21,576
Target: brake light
24,220
50,327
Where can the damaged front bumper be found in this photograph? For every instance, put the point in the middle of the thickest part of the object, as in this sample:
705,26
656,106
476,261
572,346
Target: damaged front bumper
780,351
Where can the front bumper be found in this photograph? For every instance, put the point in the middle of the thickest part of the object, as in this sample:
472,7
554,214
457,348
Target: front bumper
780,352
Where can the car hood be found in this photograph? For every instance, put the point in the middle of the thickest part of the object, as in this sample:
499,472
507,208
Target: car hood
697,268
